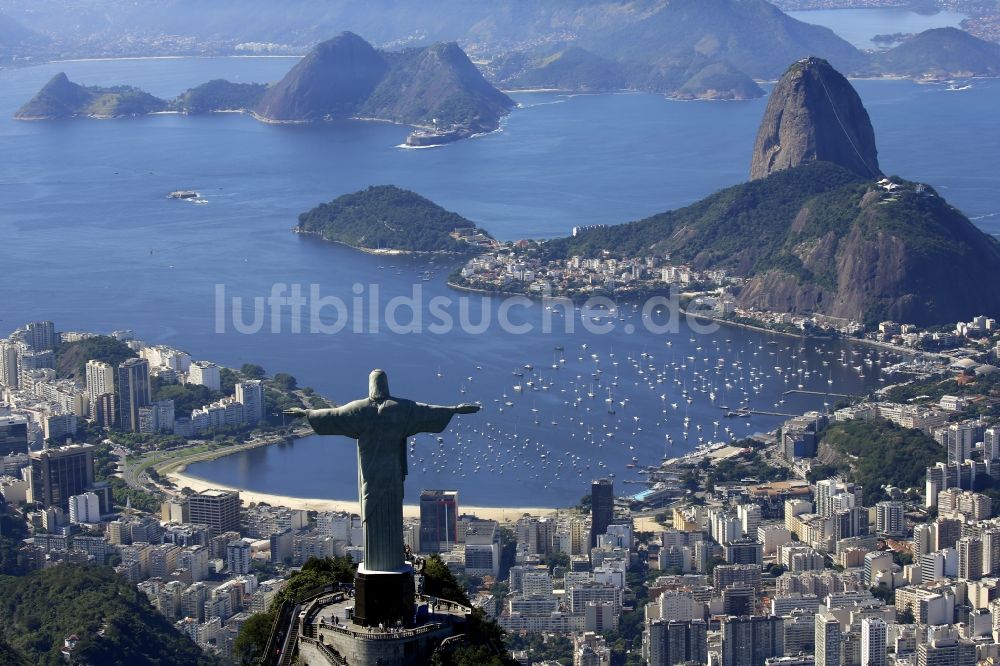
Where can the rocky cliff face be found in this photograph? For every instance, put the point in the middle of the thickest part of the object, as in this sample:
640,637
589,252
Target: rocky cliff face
814,114
332,81
904,255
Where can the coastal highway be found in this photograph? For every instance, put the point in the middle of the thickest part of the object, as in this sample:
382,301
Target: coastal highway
134,469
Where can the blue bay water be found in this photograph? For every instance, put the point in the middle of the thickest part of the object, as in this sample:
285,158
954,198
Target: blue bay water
90,240
858,26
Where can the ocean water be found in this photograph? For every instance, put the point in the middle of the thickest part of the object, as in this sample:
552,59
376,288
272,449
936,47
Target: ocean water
89,240
858,26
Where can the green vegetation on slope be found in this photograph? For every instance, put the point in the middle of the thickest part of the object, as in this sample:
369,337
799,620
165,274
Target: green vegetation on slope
741,227
941,53
72,357
816,238
436,84
387,217
877,453
220,95
115,622
61,98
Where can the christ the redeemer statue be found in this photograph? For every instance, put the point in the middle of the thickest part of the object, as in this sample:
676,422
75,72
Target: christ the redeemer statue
382,424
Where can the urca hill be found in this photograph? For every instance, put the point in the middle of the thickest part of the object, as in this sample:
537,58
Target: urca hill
818,229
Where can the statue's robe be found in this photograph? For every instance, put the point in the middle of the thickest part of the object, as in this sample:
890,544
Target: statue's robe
381,429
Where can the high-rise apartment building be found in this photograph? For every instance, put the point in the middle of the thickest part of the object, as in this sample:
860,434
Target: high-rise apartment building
749,641
9,372
206,374
251,395
40,336
890,518
874,634
827,639
100,381
676,642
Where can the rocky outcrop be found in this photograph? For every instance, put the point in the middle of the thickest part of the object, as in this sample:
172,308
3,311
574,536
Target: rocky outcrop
332,81
814,114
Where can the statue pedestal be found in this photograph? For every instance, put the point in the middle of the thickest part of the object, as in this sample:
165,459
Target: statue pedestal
383,597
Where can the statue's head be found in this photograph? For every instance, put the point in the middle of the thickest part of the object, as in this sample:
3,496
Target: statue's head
378,386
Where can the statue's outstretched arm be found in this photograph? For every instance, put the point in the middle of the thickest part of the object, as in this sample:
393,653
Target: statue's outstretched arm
346,420
435,418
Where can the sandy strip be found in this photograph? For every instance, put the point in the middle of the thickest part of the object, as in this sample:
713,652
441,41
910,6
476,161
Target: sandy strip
500,514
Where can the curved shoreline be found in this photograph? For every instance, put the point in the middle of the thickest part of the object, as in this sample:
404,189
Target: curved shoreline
500,514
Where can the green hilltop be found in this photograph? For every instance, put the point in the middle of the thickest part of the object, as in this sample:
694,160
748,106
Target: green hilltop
386,217
61,98
113,620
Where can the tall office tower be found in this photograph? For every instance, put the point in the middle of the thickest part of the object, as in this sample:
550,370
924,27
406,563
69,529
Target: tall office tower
13,435
874,633
749,641
8,364
676,642
602,508
889,518
251,395
438,520
970,558
40,335
133,392
100,381
827,639
219,509
59,473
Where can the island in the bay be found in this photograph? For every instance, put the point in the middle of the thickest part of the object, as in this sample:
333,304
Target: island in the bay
435,89
388,219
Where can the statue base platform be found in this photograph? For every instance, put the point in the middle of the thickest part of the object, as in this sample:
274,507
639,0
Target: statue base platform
383,597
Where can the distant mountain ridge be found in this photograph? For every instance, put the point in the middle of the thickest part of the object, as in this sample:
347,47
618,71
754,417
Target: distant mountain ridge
436,88
661,47
814,236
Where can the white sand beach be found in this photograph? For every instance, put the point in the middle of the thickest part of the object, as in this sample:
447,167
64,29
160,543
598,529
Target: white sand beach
500,514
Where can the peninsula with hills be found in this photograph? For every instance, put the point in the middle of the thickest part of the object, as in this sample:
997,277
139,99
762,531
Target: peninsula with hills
435,89
719,49
818,232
